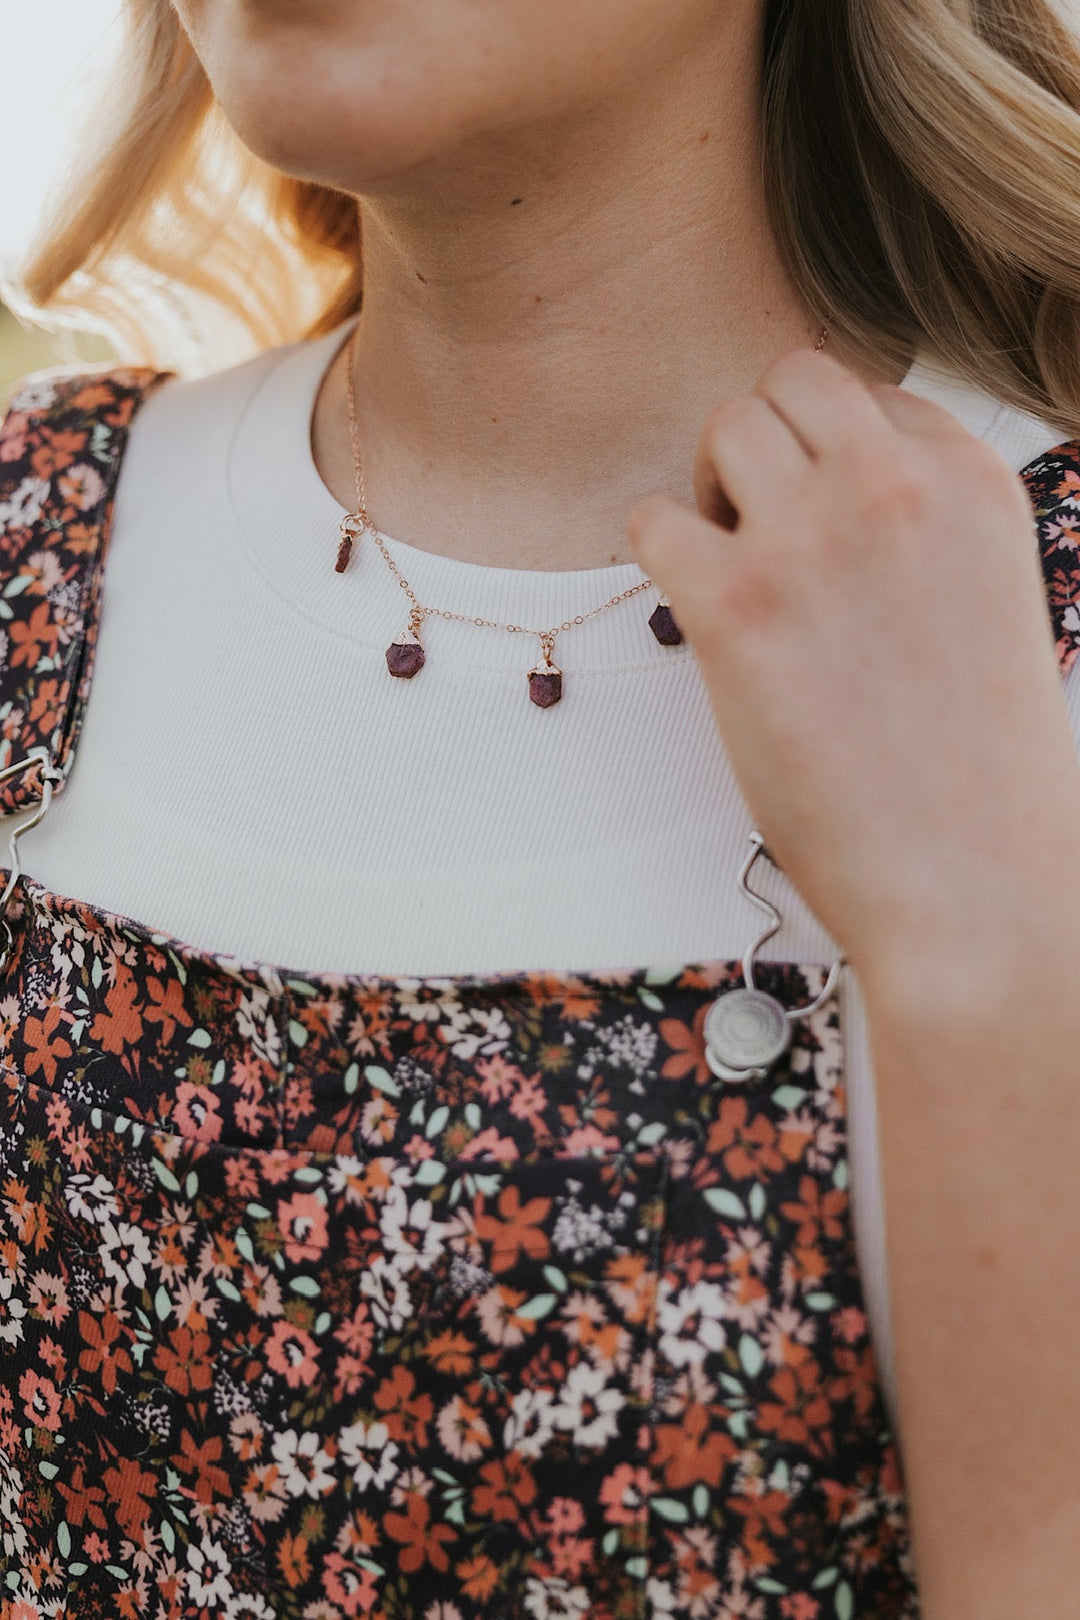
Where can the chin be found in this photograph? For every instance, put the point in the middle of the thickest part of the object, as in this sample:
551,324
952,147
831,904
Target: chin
306,117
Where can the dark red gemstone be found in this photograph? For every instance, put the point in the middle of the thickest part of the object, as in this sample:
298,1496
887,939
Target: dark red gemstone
545,688
663,626
404,658
344,552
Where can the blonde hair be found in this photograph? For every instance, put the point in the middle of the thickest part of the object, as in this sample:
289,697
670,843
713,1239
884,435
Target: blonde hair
921,161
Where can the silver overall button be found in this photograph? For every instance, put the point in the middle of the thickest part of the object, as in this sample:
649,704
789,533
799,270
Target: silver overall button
745,1032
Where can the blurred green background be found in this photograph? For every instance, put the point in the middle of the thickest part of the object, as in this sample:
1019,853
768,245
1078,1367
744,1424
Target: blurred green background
23,351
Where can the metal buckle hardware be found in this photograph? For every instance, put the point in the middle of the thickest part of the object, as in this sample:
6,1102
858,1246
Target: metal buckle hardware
747,1030
49,776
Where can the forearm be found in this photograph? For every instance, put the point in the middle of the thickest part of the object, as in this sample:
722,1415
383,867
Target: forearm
978,1074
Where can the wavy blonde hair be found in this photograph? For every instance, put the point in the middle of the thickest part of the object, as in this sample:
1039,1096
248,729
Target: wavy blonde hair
921,161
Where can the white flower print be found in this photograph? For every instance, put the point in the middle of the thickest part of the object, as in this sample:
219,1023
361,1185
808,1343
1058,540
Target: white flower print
36,394
125,1252
82,485
555,1599
207,1577
91,1198
12,1311
249,1606
368,1450
254,1023
690,1324
13,1538
531,1422
24,506
383,1284
413,1236
344,1177
586,1408
305,1465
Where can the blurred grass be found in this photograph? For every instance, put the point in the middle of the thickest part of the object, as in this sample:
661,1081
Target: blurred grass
23,351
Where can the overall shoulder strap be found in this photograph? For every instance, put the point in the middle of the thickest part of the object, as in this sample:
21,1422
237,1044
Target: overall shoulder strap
1053,485
60,450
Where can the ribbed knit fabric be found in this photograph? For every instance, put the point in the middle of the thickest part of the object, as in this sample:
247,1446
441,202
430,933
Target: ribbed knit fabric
251,779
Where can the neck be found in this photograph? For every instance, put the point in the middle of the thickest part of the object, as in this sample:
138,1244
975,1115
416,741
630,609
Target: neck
546,328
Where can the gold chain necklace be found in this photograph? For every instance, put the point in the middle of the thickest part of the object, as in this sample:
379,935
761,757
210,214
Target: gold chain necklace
405,656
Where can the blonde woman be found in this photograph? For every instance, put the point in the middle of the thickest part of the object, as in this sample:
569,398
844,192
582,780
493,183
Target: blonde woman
607,641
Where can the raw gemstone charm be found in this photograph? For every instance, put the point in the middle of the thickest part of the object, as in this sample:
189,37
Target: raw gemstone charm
352,527
405,656
545,681
545,687
663,626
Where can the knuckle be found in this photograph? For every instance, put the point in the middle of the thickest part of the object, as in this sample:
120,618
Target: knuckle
792,363
893,488
725,415
749,596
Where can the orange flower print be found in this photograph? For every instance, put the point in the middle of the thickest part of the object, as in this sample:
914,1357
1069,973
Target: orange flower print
478,1576
508,1488
515,1229
57,449
44,710
185,1360
293,1560
84,1503
203,1462
42,1049
131,1490
817,1211
748,1146
801,1413
687,1047
165,1006
121,1025
33,637
407,1414
423,1542
103,1357
692,1452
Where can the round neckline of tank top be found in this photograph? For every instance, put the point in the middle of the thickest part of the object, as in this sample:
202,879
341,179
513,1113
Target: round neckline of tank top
288,520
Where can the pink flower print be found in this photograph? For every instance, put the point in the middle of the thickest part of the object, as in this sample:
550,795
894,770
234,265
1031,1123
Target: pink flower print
302,1219
197,1113
41,1401
292,1352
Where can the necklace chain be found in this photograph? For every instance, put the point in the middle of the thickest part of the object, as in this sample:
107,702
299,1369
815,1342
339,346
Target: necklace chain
356,523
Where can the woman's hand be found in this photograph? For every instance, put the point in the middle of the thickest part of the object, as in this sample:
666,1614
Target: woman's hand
862,590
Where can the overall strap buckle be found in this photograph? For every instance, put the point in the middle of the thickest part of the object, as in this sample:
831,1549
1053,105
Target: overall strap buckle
50,777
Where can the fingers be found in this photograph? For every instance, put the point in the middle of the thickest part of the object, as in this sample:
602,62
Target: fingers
684,553
745,450
824,405
910,413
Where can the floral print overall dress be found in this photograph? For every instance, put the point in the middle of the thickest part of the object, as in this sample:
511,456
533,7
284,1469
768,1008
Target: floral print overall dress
332,1296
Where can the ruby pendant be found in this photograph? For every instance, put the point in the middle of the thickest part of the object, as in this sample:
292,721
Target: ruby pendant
352,527
405,656
545,681
663,626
